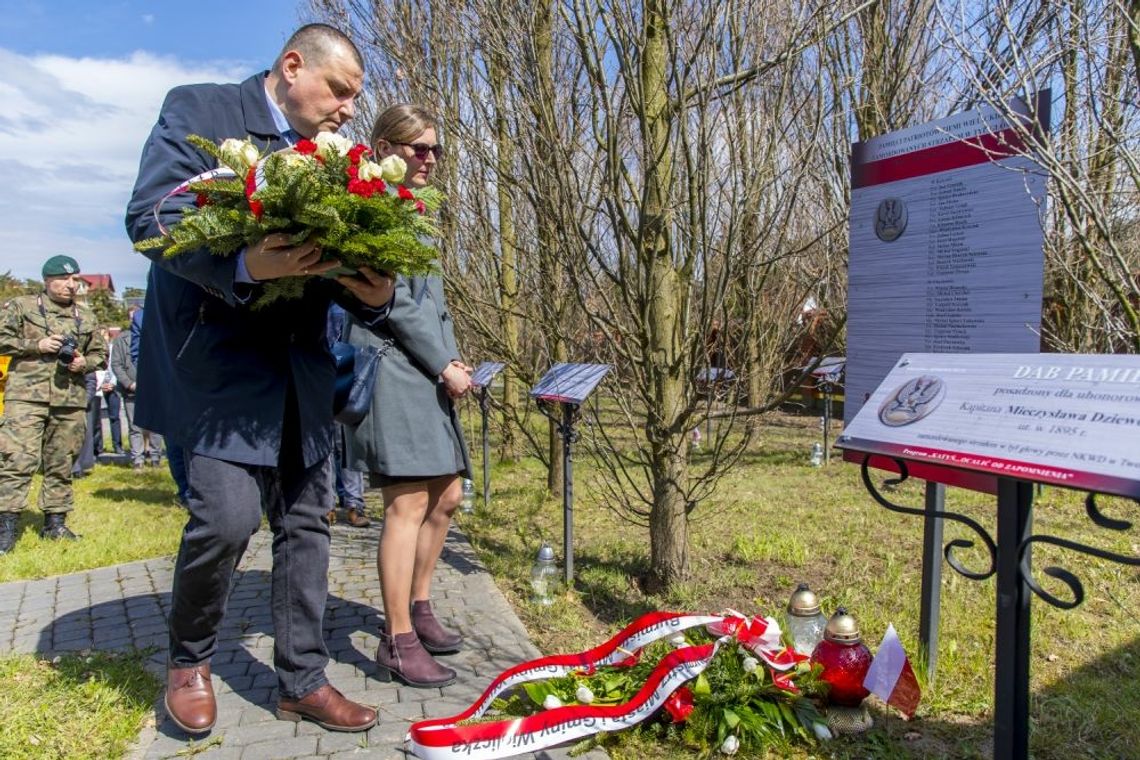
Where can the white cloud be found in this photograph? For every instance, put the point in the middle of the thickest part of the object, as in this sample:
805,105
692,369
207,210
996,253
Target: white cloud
71,131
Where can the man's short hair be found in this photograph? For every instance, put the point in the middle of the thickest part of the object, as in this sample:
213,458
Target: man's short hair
317,42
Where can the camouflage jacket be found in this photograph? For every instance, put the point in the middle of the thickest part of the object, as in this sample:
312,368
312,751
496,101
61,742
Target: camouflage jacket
33,376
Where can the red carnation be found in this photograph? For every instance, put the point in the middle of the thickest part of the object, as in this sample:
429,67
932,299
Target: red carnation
361,188
201,199
305,147
420,207
405,193
356,152
680,704
353,171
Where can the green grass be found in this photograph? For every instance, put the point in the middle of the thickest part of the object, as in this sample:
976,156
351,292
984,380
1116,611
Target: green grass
77,706
121,515
775,521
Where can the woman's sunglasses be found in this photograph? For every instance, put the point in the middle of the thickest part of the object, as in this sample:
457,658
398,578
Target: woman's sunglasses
422,149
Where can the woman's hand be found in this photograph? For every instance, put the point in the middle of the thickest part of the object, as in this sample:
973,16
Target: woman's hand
372,288
456,378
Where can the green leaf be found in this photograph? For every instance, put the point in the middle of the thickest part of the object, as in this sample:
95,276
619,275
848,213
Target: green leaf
731,718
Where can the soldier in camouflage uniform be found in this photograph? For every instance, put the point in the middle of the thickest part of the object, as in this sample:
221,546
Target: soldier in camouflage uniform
45,402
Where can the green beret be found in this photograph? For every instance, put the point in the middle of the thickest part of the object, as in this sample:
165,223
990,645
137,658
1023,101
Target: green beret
60,265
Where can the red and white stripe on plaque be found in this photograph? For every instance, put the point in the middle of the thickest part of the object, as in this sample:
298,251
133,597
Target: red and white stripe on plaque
446,739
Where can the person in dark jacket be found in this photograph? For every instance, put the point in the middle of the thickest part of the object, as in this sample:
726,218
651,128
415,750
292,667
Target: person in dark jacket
248,393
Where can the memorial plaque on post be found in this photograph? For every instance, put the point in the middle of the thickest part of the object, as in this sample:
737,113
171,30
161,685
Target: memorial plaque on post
946,243
567,385
485,373
481,378
1065,419
1070,420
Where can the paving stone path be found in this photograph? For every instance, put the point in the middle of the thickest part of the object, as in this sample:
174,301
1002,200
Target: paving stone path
125,606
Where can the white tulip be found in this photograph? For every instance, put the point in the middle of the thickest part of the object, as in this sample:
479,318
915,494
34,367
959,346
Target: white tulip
584,695
730,745
393,169
750,664
551,702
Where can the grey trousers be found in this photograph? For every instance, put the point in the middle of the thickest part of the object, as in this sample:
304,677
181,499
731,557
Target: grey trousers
135,436
225,505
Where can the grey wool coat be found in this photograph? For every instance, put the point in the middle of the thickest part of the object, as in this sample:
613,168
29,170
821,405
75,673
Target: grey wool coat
412,428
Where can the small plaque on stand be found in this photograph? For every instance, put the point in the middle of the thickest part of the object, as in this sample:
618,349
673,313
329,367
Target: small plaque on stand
569,383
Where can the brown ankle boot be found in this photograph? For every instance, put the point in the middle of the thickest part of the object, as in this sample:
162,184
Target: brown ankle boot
435,638
404,657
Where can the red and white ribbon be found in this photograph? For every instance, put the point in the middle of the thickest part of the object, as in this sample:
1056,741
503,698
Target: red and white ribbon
221,172
444,739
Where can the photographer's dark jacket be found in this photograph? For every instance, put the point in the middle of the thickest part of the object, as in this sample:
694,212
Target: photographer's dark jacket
32,376
215,375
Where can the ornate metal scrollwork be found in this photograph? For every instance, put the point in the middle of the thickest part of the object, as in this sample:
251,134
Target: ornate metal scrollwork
1060,573
958,543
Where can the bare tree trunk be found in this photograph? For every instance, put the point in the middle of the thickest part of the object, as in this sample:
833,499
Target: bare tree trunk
668,522
508,256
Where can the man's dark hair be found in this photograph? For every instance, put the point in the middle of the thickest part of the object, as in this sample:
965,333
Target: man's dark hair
316,42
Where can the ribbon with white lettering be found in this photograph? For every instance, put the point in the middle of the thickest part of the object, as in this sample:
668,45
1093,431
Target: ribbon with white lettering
445,739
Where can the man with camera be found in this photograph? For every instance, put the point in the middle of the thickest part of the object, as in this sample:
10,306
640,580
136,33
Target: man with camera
53,341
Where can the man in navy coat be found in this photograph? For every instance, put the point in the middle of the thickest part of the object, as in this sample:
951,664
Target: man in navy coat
247,392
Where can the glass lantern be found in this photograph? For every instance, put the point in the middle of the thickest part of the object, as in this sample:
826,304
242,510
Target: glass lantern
544,576
805,621
817,455
467,504
845,660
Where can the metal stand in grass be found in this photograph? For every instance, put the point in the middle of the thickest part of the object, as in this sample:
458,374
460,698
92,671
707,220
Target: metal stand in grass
567,386
1010,559
481,379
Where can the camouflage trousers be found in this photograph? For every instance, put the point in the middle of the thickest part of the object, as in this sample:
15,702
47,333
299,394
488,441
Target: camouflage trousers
31,435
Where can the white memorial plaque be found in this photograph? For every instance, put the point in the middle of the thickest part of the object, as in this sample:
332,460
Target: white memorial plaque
1067,419
946,245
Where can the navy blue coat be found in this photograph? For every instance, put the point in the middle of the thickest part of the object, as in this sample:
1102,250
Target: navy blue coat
214,374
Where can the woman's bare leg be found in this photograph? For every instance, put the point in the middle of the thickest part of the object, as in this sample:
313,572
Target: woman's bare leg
444,495
405,507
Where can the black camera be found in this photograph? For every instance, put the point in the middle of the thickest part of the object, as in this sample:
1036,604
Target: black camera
67,349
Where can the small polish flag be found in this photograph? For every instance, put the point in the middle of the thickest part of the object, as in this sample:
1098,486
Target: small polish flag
890,676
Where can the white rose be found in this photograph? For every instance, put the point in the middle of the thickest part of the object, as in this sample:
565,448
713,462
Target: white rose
551,702
822,732
239,153
584,695
369,170
293,160
678,640
730,745
393,169
330,144
750,664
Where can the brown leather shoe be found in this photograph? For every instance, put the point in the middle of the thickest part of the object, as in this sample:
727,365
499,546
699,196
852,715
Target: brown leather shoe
404,657
435,638
356,518
332,516
329,709
189,698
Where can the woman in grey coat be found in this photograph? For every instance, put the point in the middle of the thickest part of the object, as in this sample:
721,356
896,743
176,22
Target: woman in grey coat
411,442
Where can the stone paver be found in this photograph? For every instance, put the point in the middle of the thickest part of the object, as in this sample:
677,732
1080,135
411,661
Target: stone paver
125,606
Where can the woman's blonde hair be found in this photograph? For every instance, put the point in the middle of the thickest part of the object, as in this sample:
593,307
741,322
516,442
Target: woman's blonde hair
402,123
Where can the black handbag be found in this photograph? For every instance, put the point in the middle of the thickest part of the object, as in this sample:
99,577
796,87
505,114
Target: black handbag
356,368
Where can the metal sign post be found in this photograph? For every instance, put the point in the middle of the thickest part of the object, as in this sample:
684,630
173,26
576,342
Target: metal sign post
567,385
481,379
